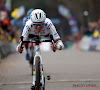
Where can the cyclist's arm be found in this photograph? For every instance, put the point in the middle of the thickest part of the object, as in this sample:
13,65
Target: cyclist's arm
55,35
57,39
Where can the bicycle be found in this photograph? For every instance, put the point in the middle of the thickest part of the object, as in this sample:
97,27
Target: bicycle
37,68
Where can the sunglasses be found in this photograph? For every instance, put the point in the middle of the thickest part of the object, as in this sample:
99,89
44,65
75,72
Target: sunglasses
41,24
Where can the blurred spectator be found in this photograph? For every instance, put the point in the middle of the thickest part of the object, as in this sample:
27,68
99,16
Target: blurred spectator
26,18
17,35
91,27
7,29
2,4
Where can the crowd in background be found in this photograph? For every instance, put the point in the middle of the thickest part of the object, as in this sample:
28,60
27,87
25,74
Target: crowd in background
92,30
8,32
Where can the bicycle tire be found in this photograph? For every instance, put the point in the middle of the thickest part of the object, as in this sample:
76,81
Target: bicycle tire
32,69
32,58
38,74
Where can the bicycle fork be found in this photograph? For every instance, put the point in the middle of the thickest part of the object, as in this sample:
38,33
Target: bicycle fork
37,54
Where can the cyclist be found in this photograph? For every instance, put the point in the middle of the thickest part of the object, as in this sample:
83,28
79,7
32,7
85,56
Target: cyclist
25,19
39,25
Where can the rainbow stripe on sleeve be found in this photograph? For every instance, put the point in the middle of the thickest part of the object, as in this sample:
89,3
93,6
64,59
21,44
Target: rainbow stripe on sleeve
19,42
57,40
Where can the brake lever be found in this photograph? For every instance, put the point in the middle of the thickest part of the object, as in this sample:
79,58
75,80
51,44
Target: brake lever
53,45
52,41
21,43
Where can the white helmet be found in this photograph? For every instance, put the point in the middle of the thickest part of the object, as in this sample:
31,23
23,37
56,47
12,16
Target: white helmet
38,15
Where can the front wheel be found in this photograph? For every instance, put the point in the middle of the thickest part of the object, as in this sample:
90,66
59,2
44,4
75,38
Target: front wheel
38,85
38,74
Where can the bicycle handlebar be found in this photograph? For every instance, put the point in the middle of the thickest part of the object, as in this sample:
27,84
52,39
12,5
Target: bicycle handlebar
37,41
21,42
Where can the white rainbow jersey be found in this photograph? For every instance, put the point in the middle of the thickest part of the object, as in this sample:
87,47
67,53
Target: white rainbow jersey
49,28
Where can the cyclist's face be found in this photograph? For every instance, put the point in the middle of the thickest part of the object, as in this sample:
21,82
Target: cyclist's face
38,27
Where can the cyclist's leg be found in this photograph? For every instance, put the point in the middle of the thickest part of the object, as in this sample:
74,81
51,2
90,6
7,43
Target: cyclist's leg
26,44
38,73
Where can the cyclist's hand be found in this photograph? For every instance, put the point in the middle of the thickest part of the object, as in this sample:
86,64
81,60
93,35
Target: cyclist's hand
54,48
20,49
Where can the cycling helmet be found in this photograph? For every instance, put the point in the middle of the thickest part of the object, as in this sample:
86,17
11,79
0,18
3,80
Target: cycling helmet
29,11
38,15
